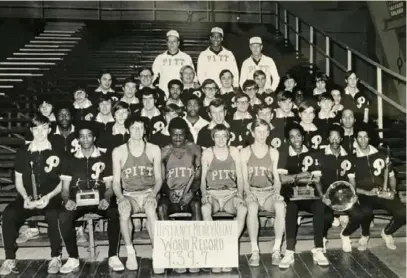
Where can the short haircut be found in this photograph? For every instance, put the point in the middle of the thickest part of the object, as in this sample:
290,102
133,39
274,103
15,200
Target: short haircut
146,91
223,72
86,125
181,71
258,73
178,123
325,96
120,105
63,105
44,98
175,82
349,73
321,77
134,118
220,127
347,109
209,82
80,88
193,97
172,107
38,120
259,122
288,76
305,105
284,95
217,102
262,107
335,87
337,128
241,95
363,127
249,83
103,72
103,98
291,126
131,79
145,68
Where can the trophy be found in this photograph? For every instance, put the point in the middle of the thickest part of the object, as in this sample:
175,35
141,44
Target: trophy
88,197
342,195
35,198
306,192
385,192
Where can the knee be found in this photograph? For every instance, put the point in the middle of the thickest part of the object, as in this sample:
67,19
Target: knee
252,208
241,209
279,207
206,208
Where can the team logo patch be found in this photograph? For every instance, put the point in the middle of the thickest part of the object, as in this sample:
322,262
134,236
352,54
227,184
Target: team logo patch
307,162
316,141
75,146
345,166
97,168
378,165
158,126
276,143
52,162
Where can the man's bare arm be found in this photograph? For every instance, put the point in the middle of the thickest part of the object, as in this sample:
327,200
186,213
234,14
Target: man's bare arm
234,152
116,162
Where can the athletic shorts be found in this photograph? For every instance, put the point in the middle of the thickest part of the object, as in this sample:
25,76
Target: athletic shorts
222,196
262,194
138,197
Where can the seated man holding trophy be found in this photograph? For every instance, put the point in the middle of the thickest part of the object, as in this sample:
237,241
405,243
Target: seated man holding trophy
136,168
37,179
300,177
262,189
221,182
87,188
376,188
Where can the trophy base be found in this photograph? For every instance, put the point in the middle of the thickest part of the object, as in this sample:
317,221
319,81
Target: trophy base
303,193
386,195
87,198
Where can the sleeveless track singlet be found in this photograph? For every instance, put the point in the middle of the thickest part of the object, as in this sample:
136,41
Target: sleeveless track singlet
260,170
179,170
221,173
138,172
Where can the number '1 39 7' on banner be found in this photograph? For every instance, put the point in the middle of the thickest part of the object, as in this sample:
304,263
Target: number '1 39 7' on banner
195,244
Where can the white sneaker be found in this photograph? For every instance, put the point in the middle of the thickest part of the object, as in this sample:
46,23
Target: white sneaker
275,257
336,222
227,269
158,270
131,262
193,270
346,243
30,233
54,265
69,266
81,237
287,260
115,263
180,270
216,270
255,259
363,243
344,220
319,257
7,267
389,241
299,219
325,243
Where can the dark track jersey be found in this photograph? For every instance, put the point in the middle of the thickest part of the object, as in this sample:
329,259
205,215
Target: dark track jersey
323,125
267,99
186,94
240,132
291,163
110,140
161,97
313,139
64,145
155,124
357,104
87,173
46,165
113,95
79,114
349,143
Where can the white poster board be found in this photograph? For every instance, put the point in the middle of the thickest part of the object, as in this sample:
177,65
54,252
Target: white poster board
195,244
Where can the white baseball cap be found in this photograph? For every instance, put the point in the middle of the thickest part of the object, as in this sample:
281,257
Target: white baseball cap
255,40
217,30
173,33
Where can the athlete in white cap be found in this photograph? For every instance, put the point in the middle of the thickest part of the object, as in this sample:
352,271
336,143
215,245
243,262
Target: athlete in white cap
215,59
259,61
168,64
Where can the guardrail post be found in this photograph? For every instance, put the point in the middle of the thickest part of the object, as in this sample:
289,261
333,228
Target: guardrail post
154,6
285,28
327,53
349,60
297,37
379,100
311,48
277,20
260,10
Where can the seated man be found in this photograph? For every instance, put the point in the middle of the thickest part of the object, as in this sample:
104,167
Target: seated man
262,188
221,183
299,166
372,171
181,166
37,176
136,167
87,171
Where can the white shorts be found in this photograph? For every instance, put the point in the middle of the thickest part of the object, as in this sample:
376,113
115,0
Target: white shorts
138,198
222,196
262,194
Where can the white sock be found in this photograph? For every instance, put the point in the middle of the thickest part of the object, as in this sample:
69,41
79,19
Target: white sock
255,247
130,250
277,244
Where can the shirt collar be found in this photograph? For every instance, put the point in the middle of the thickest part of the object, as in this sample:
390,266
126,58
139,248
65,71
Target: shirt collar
330,115
212,124
85,104
372,150
99,119
342,152
144,114
95,153
133,101
291,151
281,114
177,102
58,132
246,116
34,148
216,52
200,122
168,53
116,132
347,134
100,90
310,127
52,118
347,92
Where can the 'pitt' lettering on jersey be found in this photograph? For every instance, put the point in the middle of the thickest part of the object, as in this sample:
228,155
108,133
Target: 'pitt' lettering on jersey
264,68
218,58
97,168
259,171
173,62
52,161
138,171
223,174
179,172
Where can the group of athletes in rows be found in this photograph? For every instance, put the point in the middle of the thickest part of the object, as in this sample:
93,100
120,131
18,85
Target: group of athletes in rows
199,149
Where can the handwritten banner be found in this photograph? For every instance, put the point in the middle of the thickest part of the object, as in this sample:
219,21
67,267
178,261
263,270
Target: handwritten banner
195,244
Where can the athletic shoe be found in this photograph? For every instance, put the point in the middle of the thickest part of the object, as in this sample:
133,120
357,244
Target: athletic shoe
324,243
363,243
158,270
131,262
336,222
193,270
372,224
346,243
287,260
54,265
389,241
319,257
70,265
275,257
115,263
7,267
299,219
226,269
30,233
255,259
216,270
81,237
180,270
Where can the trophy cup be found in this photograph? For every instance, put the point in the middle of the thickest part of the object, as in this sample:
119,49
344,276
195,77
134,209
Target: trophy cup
306,192
35,198
342,195
87,197
385,192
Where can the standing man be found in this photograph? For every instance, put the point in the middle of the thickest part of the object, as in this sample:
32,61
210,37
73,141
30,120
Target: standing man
87,171
36,162
168,64
259,61
136,167
215,59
